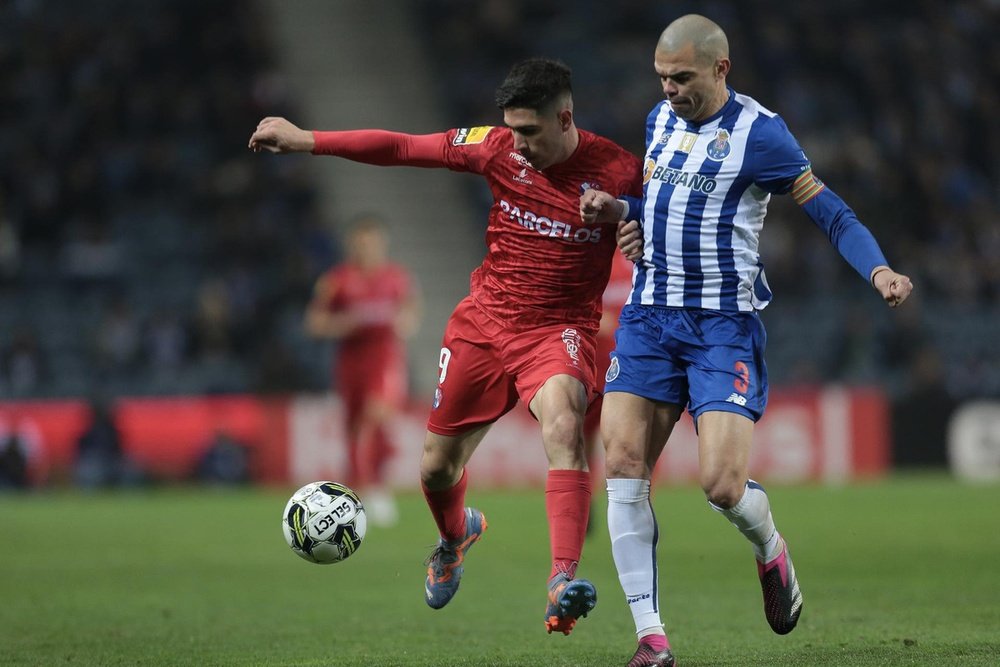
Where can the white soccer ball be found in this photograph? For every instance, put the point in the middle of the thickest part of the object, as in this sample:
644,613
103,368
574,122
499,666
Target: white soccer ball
324,522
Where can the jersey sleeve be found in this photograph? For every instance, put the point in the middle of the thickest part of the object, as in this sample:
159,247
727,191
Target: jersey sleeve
471,148
782,168
632,185
853,240
382,147
778,159
462,149
631,188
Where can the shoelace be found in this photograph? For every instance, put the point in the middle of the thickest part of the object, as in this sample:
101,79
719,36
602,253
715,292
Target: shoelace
440,557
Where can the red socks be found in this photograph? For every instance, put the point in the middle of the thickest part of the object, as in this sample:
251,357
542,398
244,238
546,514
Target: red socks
567,504
448,509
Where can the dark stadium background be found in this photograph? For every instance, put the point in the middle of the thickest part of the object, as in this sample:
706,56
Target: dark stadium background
144,252
154,271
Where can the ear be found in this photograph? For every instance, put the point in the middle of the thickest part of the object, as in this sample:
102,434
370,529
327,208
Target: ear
565,119
722,67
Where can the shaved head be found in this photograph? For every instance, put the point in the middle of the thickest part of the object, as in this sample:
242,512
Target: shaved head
692,61
707,38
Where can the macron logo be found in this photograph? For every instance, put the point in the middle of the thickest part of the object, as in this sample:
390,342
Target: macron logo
517,157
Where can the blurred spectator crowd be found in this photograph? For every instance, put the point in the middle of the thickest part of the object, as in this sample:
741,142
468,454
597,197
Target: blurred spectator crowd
892,101
142,251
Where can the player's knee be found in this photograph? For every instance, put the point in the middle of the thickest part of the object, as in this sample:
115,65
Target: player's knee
564,430
437,471
438,479
723,490
624,462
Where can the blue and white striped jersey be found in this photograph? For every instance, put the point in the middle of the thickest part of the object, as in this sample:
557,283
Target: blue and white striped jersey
705,192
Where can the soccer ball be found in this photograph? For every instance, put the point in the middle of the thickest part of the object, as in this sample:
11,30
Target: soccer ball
324,522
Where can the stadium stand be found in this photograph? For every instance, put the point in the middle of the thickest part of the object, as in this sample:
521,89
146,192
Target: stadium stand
141,253
893,104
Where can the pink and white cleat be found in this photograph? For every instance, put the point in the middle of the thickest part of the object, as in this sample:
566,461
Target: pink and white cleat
782,597
647,656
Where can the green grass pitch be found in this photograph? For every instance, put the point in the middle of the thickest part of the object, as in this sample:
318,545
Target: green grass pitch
902,572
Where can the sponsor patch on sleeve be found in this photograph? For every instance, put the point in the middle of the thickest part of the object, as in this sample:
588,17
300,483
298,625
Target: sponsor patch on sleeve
471,135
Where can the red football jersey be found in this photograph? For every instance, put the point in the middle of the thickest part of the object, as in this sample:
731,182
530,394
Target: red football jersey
619,285
375,298
542,264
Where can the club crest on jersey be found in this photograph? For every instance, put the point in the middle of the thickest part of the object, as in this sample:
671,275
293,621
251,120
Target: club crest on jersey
589,186
613,370
720,148
471,135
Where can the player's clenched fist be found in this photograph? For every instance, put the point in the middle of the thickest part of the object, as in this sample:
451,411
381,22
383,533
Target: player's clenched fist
597,207
894,287
277,135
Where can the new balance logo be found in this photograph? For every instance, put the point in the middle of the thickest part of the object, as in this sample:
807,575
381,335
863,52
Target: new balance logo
737,399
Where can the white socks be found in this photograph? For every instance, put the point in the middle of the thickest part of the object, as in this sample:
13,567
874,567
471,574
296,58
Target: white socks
634,536
752,517
633,544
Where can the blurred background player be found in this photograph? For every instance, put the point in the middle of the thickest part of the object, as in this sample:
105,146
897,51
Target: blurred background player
527,329
615,296
691,334
368,305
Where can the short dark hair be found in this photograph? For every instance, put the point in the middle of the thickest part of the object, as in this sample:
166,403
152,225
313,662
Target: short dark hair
534,84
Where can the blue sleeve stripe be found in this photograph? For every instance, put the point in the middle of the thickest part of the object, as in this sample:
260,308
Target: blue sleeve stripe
852,239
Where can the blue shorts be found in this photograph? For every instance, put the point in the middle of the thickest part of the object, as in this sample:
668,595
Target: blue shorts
703,359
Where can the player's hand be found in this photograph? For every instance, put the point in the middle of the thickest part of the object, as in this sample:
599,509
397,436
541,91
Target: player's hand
599,207
629,237
894,287
277,135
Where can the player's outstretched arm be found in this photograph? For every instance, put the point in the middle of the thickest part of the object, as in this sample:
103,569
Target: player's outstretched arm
894,287
277,135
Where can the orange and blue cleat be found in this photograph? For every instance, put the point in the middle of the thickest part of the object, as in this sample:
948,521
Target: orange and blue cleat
444,565
569,599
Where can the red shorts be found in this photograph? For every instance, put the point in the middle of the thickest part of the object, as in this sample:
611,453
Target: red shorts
485,367
605,346
370,374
